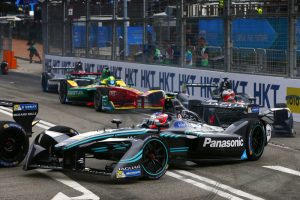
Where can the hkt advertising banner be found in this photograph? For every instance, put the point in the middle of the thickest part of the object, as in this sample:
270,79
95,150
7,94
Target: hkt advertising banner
267,90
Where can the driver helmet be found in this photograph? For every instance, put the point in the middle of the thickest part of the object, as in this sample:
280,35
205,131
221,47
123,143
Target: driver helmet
106,72
78,67
162,118
228,95
111,81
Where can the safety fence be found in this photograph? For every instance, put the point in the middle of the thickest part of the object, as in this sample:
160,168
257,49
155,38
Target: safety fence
256,37
5,38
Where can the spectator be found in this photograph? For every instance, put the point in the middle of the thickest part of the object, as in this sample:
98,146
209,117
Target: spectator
33,51
157,56
189,56
201,53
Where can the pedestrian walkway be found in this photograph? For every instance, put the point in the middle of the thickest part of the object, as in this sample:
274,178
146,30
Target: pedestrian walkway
25,67
20,49
22,54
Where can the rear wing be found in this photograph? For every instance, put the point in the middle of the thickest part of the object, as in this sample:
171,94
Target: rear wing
23,113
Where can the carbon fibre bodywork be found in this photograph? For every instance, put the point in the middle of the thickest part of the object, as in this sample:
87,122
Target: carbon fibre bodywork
108,98
225,113
143,152
14,136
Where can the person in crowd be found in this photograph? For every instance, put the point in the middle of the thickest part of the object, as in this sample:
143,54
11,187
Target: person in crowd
33,51
157,55
201,53
189,56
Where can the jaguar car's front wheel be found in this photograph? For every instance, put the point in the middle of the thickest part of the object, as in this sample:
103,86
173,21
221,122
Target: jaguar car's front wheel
255,140
155,158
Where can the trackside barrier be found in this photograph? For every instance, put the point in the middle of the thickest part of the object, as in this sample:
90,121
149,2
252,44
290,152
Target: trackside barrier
9,57
244,59
216,57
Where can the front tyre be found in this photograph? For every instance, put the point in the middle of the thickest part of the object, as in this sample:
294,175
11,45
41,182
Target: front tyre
255,140
98,101
44,82
155,158
14,144
63,91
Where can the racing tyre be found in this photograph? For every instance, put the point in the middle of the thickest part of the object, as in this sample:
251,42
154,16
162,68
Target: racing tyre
155,158
45,82
255,140
13,144
62,92
98,101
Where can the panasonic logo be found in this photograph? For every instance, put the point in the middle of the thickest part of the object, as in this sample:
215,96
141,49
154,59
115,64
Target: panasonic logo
222,143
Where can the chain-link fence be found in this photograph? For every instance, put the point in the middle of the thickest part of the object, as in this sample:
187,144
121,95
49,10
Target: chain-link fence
5,38
246,36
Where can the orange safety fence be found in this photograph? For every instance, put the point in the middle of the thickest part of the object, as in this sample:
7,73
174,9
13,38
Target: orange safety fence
9,57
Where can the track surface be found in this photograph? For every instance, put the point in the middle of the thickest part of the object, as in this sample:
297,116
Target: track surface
251,179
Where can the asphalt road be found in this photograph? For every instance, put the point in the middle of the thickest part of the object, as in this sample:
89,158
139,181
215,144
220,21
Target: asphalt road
209,180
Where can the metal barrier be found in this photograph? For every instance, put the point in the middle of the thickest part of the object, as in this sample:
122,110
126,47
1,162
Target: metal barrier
5,38
243,36
244,60
297,69
216,57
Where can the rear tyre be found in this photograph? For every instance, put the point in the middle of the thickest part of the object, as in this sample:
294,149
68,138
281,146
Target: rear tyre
155,158
63,91
13,144
45,82
255,140
98,101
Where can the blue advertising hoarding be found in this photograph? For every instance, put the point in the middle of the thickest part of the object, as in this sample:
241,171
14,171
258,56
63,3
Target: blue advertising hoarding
269,33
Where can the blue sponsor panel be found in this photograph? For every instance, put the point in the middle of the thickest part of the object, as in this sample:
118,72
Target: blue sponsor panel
26,107
132,173
79,36
179,124
248,33
135,35
103,35
253,33
213,31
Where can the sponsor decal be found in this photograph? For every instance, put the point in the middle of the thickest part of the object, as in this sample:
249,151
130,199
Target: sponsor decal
180,124
131,171
113,93
253,109
75,92
25,107
293,99
218,143
8,164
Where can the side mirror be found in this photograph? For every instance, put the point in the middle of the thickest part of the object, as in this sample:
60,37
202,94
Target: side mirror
117,122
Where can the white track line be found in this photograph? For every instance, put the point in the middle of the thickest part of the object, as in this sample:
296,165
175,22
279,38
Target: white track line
282,147
60,177
6,112
203,186
220,185
39,125
4,108
284,169
46,123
